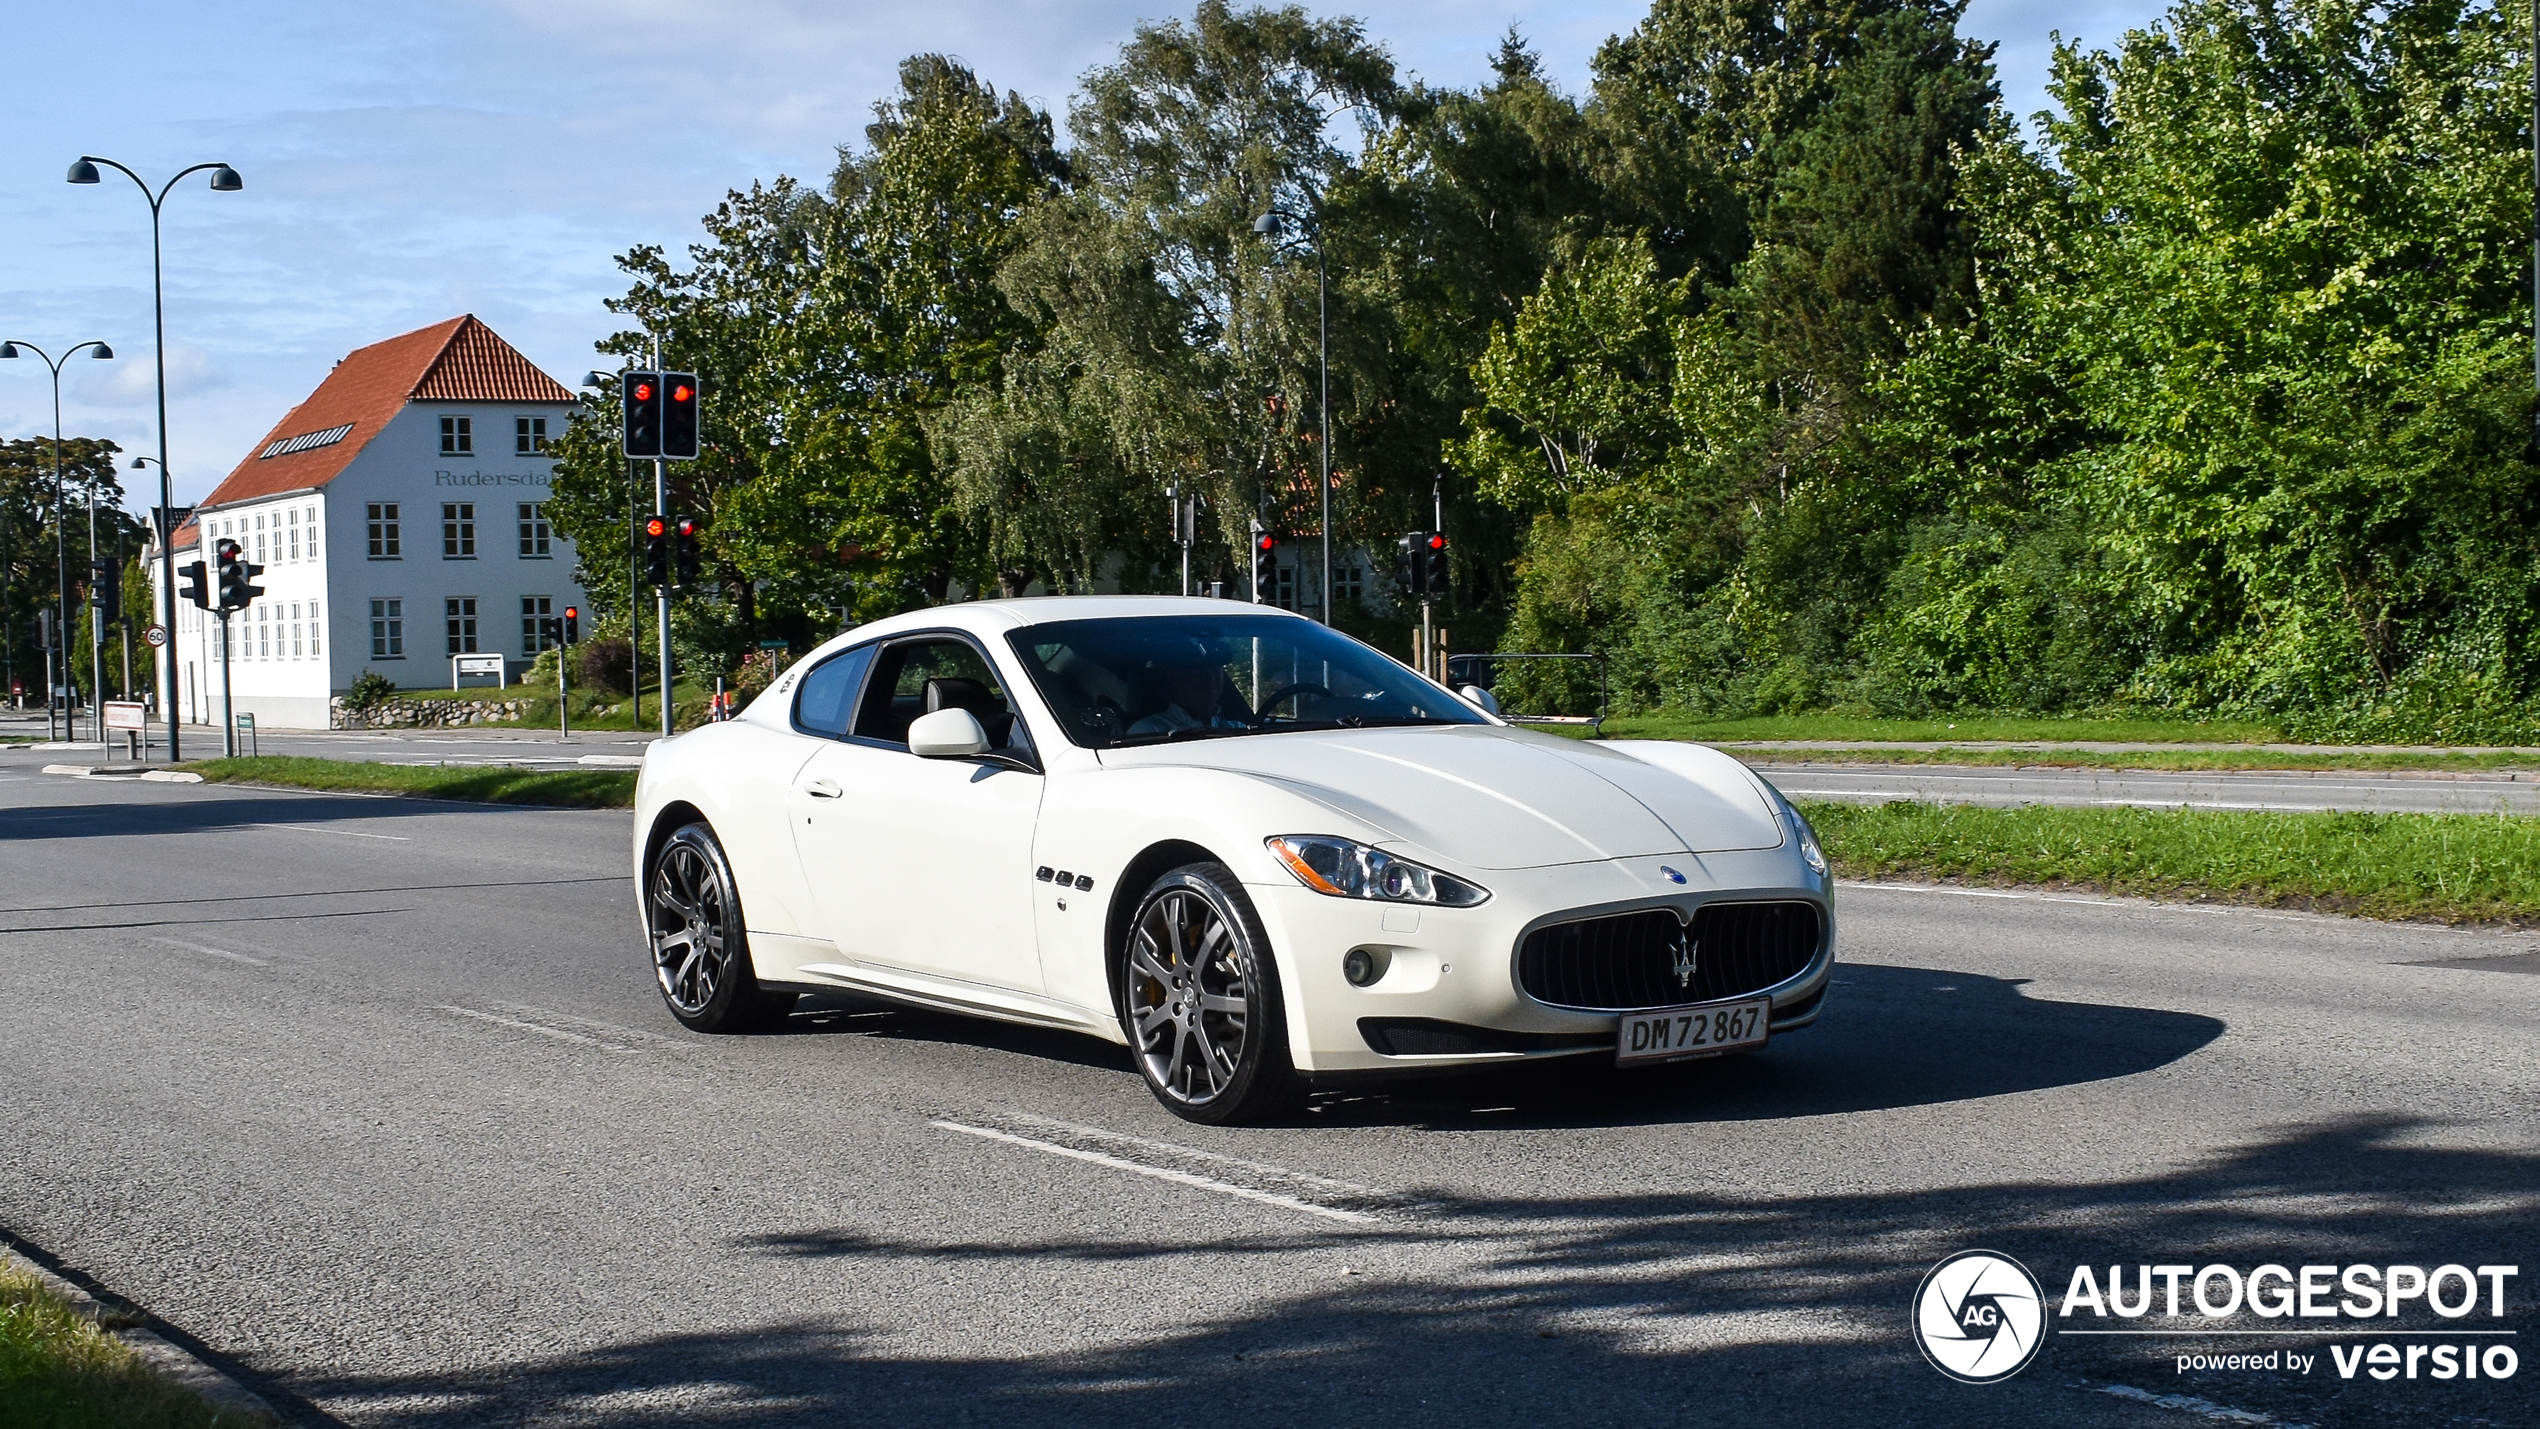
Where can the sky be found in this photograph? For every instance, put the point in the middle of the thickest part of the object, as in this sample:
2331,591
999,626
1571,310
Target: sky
406,164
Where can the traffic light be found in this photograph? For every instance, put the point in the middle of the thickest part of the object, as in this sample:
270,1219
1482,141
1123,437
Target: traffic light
640,396
572,625
1433,565
44,630
238,589
656,551
1265,563
104,591
191,573
1411,563
688,528
679,416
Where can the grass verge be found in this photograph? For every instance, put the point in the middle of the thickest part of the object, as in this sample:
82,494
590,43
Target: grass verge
2156,731
59,1371
569,788
2189,759
2448,867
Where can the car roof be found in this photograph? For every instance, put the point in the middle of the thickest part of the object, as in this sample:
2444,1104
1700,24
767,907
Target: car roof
982,616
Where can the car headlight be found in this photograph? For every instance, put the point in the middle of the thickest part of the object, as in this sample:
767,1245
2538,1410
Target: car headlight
1808,846
1345,869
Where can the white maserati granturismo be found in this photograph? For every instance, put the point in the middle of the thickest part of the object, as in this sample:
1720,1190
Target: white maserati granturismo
1257,853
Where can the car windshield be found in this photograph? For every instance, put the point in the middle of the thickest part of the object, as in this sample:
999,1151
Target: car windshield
1159,678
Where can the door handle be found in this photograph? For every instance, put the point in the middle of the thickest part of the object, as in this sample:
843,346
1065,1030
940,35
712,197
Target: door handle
822,789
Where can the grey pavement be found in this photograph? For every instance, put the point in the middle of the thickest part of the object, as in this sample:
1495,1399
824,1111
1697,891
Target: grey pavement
533,748
373,1099
2295,791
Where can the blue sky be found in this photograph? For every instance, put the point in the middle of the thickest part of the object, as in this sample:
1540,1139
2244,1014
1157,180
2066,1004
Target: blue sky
405,164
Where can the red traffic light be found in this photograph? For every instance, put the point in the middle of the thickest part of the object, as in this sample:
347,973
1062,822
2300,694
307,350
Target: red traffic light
1437,542
682,392
643,391
688,526
1269,543
228,550
655,526
572,613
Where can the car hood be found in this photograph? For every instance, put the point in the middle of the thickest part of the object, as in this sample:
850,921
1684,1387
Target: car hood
1490,797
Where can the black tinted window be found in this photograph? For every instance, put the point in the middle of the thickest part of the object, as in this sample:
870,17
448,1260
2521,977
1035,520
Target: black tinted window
1147,679
917,677
828,693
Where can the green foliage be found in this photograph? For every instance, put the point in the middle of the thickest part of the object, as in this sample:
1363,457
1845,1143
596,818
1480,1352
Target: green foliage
369,688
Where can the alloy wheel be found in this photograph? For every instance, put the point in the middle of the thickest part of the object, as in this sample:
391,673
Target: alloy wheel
1191,993
689,952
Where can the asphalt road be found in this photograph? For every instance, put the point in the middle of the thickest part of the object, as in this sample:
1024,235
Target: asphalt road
372,1099
2278,790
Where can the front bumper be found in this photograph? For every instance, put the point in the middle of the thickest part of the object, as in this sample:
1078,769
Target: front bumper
1456,967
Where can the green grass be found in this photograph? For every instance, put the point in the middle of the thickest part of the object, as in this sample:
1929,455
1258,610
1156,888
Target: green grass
58,1371
2161,731
2146,759
688,713
570,788
2450,867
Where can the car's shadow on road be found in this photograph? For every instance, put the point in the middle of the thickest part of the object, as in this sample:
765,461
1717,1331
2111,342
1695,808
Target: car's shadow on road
1889,1037
185,810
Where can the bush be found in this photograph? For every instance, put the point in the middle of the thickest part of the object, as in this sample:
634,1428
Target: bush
370,689
606,666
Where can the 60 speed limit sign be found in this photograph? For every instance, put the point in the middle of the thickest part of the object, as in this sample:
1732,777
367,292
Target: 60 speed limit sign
154,636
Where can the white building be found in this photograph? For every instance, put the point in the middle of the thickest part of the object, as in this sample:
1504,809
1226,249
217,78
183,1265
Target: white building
400,516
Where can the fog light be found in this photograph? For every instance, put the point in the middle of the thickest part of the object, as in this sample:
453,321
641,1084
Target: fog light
1359,966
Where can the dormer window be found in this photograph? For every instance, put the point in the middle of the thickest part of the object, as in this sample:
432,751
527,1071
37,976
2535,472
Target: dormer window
458,436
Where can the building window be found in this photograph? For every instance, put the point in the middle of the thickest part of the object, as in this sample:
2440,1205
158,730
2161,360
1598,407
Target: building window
383,530
1349,583
313,534
534,532
458,530
260,538
529,435
460,610
1283,589
458,436
316,644
264,633
388,630
534,611
295,630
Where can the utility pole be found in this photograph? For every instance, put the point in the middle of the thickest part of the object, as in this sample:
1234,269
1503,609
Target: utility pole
661,595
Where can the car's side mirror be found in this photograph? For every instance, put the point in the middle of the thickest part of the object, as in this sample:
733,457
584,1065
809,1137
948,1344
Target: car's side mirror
947,734
1480,699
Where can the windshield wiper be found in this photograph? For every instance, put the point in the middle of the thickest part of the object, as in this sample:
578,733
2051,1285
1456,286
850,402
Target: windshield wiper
1175,736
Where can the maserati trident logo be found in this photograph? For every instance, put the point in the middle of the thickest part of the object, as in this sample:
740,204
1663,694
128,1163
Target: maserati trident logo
1979,1316
1688,961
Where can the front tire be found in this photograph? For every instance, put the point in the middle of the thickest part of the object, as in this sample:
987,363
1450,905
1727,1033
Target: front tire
1199,1000
701,952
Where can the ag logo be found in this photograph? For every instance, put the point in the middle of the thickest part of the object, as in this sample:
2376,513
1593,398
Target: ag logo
1979,1317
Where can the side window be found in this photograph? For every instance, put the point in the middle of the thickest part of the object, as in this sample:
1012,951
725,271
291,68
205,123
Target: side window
916,677
827,695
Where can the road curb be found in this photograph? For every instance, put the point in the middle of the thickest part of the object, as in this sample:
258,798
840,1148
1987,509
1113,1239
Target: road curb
165,1358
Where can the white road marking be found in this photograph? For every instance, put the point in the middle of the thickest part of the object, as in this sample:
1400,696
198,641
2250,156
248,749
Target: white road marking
1168,1148
516,1024
214,952
1162,1173
346,833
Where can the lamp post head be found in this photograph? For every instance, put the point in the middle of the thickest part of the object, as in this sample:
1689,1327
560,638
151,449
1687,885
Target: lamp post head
101,352
1267,225
82,172
225,180
595,379
8,350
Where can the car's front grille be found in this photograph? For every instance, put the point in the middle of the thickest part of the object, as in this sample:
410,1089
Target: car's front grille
1649,959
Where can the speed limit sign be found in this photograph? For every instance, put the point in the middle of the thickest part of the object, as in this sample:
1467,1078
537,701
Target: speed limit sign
154,636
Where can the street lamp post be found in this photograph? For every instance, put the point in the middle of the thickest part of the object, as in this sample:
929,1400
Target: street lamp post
224,180
1269,225
61,522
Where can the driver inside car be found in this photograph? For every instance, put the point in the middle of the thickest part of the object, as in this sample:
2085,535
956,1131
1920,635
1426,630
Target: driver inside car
1193,687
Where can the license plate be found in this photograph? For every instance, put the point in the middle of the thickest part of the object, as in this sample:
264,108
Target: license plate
1702,1030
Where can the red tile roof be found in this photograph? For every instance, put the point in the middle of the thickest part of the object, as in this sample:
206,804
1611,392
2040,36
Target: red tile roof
460,360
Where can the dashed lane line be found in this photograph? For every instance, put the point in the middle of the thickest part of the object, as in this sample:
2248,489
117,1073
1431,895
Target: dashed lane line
213,952
1161,1173
517,1025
